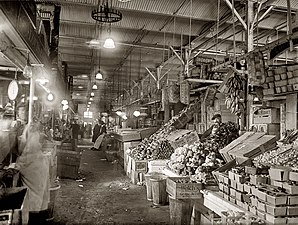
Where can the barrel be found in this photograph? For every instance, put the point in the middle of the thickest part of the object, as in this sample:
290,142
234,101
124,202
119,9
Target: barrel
159,193
149,185
180,211
53,194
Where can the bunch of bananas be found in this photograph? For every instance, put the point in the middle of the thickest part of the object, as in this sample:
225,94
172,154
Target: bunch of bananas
235,85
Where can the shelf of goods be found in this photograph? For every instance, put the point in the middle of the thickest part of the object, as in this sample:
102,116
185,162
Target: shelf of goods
265,184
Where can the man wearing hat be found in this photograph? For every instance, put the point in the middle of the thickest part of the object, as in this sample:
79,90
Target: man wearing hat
217,123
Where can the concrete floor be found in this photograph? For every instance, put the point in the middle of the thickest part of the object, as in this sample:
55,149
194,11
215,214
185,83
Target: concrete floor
105,196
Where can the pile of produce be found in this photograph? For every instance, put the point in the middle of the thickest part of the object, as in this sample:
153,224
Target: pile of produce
199,159
152,149
285,154
156,146
196,161
234,87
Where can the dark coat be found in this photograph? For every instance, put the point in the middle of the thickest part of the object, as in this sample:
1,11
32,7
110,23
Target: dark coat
96,132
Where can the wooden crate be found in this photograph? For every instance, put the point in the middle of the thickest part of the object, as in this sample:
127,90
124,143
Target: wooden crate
68,164
183,190
271,115
139,165
248,145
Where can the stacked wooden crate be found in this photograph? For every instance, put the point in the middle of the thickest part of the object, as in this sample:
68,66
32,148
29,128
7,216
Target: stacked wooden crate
281,80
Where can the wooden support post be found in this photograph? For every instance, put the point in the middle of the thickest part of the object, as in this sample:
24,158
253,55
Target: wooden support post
158,73
291,112
237,14
289,24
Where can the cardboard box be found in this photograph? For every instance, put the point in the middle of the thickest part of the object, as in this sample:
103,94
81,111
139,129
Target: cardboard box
233,200
259,194
253,210
226,189
268,91
254,201
292,200
227,197
292,211
276,211
250,170
184,190
290,74
270,73
261,214
240,187
221,177
283,76
239,203
232,192
239,178
276,200
277,183
258,179
239,196
295,87
293,176
269,79
270,115
261,206
247,188
231,175
281,83
279,173
245,206
277,90
292,220
246,198
291,189
233,184
221,186
277,77
276,220
280,70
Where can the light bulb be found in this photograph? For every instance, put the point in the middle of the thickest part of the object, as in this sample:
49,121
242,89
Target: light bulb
109,43
98,76
136,113
94,87
50,97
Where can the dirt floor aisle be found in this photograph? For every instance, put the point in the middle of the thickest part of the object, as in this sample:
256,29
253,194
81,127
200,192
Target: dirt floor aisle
105,196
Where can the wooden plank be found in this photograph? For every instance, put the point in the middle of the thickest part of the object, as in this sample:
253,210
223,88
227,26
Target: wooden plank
252,149
233,144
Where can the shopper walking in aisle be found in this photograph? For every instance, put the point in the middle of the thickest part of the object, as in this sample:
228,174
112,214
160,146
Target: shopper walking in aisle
99,131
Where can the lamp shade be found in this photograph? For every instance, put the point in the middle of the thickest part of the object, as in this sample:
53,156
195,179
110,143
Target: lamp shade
136,113
109,43
98,76
94,86
92,94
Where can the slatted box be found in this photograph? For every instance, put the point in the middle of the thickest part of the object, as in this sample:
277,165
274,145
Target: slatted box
184,189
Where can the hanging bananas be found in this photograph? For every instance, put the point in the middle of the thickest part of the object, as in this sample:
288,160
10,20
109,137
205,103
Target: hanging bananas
235,85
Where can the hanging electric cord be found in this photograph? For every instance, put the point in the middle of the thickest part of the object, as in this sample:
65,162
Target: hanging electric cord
234,38
257,24
190,17
217,29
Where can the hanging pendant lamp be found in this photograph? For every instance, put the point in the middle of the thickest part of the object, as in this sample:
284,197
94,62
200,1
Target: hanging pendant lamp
109,43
